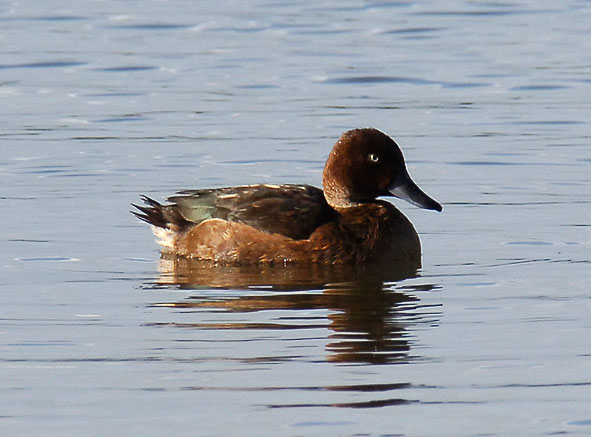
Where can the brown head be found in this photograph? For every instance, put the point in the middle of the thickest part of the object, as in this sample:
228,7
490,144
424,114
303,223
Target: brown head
365,164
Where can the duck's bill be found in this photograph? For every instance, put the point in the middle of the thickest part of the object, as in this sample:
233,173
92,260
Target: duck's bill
406,189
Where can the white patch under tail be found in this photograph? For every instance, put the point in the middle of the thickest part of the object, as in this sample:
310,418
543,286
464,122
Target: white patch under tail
165,237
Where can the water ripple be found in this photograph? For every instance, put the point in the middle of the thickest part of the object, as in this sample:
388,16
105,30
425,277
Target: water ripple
399,79
152,26
45,64
127,68
51,259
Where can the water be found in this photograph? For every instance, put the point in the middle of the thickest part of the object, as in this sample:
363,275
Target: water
102,101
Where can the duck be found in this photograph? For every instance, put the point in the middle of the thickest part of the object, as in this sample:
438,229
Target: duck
346,222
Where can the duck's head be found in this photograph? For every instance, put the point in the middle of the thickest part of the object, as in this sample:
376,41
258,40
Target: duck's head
365,164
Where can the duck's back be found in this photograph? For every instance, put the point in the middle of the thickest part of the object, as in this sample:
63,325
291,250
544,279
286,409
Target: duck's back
293,211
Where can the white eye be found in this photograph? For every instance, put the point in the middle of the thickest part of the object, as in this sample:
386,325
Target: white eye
373,157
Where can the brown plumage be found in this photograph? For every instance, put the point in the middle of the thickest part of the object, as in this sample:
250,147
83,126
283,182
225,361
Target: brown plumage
344,224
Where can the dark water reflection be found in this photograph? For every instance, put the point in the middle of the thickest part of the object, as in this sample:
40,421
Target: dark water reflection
367,316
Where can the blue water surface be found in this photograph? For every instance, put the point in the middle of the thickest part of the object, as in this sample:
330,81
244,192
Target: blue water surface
102,101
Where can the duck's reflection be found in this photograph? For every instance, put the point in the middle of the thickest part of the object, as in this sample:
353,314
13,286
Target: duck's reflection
368,317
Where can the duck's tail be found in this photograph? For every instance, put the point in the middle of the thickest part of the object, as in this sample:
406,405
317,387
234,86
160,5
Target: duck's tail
166,220
153,213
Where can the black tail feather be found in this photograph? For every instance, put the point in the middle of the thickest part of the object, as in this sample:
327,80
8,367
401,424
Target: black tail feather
153,213
162,216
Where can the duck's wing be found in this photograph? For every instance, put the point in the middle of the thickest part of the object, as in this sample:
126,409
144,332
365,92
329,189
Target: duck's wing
294,211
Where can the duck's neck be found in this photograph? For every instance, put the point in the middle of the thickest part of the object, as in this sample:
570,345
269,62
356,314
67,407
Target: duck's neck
341,204
337,196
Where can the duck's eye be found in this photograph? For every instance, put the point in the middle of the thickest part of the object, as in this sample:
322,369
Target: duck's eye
373,157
